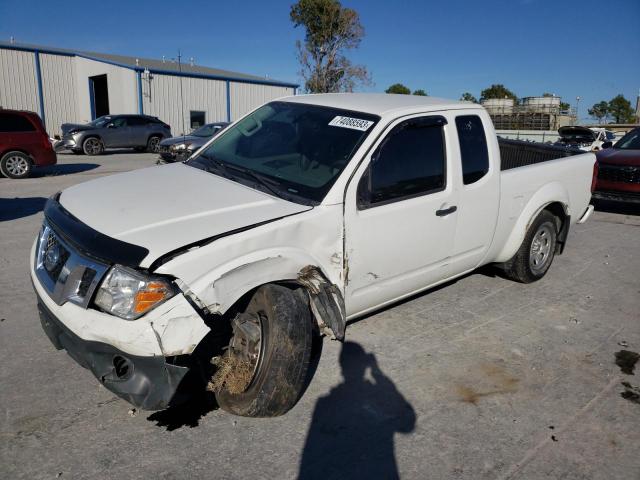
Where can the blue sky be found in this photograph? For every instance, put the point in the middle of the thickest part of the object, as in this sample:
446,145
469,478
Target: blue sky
588,48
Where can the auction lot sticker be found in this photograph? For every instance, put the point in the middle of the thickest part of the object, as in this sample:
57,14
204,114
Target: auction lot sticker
353,123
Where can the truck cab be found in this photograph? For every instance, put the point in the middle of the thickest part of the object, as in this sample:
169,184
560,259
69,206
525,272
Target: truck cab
306,213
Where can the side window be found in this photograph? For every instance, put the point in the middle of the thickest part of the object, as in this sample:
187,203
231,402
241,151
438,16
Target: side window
137,121
473,148
120,122
409,162
10,122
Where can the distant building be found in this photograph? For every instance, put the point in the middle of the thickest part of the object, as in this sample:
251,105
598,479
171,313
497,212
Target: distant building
73,86
532,113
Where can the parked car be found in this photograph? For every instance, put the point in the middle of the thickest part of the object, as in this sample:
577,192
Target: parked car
588,139
140,132
619,170
182,147
24,144
309,211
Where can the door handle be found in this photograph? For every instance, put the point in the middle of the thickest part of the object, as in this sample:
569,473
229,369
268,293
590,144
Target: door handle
446,211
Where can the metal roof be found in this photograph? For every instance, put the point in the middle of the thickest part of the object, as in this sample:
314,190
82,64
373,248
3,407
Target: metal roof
156,66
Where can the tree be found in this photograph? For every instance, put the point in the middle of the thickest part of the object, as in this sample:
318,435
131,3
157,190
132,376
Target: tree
497,91
620,109
600,111
420,93
398,88
564,106
467,97
330,30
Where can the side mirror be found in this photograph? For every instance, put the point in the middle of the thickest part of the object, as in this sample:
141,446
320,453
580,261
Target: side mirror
607,144
111,125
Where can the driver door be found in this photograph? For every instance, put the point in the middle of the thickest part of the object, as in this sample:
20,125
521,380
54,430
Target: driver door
400,215
116,133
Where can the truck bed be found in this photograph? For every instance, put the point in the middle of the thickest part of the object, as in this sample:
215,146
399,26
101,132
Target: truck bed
519,153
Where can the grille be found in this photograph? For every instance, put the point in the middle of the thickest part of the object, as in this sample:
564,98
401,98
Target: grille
619,173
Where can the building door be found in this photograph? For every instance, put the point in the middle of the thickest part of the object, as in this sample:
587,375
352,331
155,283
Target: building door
99,96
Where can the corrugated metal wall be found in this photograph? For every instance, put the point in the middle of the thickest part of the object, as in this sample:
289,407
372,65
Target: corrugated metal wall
59,91
245,96
18,85
199,94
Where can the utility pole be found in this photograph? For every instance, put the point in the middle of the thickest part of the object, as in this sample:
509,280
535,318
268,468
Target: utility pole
577,110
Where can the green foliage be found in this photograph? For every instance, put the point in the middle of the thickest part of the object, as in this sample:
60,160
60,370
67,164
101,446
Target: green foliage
467,97
330,30
420,93
599,111
564,106
497,91
398,88
620,109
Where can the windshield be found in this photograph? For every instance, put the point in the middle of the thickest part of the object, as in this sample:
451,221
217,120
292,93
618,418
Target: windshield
298,150
631,141
100,121
205,130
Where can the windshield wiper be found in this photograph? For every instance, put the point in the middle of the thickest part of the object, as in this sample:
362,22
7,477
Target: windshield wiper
255,176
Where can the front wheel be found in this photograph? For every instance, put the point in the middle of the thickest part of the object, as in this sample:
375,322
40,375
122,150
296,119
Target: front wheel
92,146
537,251
262,374
16,165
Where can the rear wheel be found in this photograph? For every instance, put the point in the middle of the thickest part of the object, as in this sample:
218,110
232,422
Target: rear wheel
92,146
153,144
16,165
262,374
537,251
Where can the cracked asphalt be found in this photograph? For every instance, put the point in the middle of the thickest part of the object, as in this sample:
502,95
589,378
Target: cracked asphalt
481,378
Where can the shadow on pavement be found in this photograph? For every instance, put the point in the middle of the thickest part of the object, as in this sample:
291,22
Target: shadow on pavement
14,208
63,169
187,414
352,429
617,207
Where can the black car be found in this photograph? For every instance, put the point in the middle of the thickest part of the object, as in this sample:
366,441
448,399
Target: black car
180,148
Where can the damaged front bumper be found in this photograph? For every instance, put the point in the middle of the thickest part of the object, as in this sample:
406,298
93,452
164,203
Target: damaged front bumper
149,383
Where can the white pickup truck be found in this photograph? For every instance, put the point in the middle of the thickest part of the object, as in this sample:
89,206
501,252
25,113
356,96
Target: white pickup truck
306,213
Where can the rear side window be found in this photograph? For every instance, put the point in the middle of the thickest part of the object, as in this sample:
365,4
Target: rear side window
136,121
473,148
410,163
10,122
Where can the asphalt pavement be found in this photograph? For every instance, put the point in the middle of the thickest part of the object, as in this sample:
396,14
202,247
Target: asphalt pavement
482,378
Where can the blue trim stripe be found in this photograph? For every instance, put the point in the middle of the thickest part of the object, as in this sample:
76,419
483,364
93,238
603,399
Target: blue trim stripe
153,70
39,82
228,101
92,99
140,104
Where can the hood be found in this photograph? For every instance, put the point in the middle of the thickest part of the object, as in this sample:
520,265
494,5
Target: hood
190,139
574,131
67,127
616,156
166,207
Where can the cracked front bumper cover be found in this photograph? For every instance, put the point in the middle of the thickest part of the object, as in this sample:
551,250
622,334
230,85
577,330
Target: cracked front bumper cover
149,383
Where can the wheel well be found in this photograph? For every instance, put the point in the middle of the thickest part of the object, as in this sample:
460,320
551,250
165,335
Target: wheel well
16,150
558,211
93,135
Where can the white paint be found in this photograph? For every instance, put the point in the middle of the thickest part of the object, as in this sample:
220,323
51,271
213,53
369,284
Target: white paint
18,85
246,97
162,98
392,251
59,91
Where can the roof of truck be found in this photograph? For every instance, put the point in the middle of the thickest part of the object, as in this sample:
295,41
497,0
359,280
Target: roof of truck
379,103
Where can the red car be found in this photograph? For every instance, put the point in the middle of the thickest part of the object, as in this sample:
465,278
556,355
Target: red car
619,170
24,144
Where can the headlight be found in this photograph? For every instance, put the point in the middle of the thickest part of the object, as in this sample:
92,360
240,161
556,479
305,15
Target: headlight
129,294
180,146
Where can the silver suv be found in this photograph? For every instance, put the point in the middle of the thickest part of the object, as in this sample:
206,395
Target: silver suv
141,132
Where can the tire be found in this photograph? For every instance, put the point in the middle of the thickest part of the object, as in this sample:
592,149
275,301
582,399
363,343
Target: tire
16,165
279,376
153,143
533,259
93,146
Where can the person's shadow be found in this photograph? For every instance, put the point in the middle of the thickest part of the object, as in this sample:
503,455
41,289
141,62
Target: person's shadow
352,429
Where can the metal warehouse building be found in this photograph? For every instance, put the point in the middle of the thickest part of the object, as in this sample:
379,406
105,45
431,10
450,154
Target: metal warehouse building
69,86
